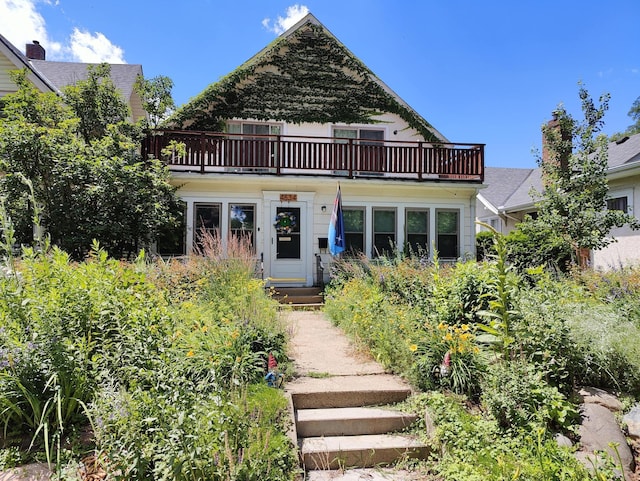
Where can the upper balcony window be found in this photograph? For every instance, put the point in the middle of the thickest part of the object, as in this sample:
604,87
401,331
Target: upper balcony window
366,136
247,128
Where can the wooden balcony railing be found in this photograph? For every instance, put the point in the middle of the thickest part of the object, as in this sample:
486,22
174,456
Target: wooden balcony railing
213,152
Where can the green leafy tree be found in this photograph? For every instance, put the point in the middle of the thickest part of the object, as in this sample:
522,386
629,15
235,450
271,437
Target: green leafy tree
156,97
96,102
634,113
83,160
573,203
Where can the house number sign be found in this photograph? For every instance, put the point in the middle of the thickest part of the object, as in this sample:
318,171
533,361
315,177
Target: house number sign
288,197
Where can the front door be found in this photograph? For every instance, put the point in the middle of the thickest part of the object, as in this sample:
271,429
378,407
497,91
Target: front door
288,253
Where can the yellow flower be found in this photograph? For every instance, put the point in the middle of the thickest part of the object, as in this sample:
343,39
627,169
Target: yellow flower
448,337
235,334
413,347
204,328
442,326
465,327
190,354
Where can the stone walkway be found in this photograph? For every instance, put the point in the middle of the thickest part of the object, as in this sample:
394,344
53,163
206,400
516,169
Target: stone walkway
324,358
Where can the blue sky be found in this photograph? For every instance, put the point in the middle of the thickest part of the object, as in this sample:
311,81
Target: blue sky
488,72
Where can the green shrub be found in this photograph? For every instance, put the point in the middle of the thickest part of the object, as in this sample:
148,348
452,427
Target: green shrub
472,447
517,396
185,431
65,326
484,245
607,345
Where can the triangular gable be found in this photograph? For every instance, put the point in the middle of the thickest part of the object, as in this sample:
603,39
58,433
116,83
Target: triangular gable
305,75
18,61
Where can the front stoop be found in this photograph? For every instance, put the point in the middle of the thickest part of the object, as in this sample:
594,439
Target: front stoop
338,429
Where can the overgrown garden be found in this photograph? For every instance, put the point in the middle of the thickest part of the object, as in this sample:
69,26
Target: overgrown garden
497,352
141,370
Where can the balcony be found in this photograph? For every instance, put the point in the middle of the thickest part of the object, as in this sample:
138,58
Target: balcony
214,152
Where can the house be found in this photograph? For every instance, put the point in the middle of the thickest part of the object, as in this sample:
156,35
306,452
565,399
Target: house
507,199
266,147
48,76
13,59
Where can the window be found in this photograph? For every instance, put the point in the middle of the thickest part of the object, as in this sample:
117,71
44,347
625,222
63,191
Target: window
171,241
353,229
366,136
618,203
417,231
384,231
448,226
252,129
252,152
206,222
370,154
242,222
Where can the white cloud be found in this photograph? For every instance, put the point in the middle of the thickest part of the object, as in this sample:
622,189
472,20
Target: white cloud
280,25
21,23
94,48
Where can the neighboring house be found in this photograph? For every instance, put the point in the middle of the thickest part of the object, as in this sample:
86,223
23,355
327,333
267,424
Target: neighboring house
13,59
267,146
50,76
507,199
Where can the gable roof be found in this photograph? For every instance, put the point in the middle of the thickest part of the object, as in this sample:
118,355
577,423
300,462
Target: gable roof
502,183
624,155
62,74
123,76
305,75
16,58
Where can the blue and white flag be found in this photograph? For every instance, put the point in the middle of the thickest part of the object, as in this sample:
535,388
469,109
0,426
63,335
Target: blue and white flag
336,227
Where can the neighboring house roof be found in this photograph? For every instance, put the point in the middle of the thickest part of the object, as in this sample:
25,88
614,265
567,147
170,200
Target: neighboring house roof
124,76
62,74
50,76
501,183
305,75
505,194
13,59
625,151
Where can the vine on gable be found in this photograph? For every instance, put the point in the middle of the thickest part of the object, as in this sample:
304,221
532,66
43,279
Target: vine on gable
305,77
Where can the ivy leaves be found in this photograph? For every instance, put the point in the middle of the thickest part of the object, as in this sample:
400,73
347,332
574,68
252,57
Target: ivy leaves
306,77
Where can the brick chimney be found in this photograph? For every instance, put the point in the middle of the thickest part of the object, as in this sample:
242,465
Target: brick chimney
563,151
35,51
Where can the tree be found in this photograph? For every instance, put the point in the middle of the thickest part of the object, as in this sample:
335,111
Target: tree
573,203
634,113
96,103
156,97
83,159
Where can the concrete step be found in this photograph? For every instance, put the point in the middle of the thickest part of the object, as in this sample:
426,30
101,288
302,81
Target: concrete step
342,399
298,295
350,421
336,452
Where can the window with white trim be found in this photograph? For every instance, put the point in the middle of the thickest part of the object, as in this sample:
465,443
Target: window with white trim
242,222
354,223
206,222
618,203
448,233
416,228
384,231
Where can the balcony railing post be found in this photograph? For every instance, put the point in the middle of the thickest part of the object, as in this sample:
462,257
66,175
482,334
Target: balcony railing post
278,153
350,157
420,160
203,146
